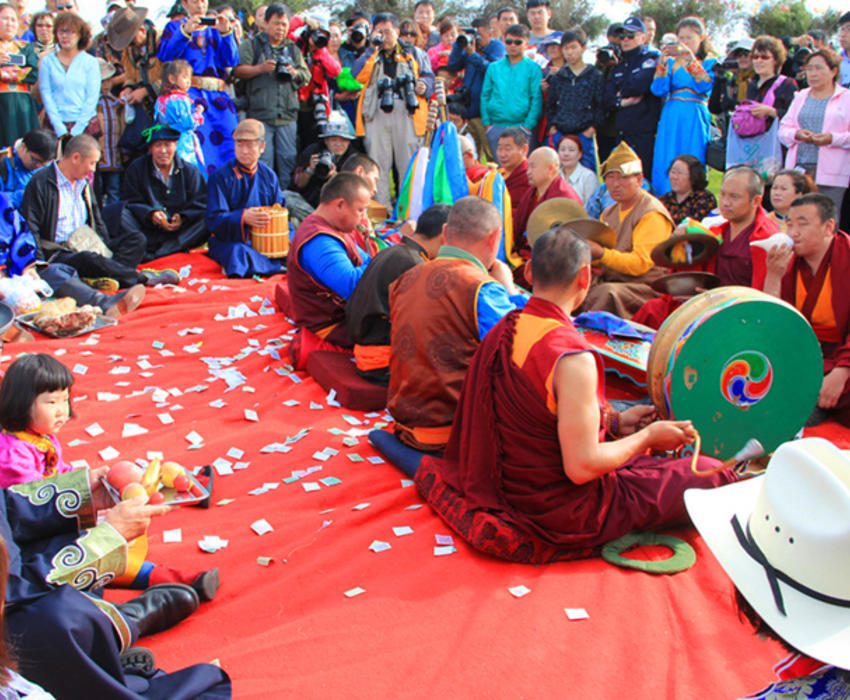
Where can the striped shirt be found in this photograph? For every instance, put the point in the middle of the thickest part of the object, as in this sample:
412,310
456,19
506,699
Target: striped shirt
72,206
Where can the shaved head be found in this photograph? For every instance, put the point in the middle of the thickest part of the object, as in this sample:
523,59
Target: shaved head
471,219
543,166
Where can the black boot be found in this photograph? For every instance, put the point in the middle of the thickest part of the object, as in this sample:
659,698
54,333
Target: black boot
138,659
160,607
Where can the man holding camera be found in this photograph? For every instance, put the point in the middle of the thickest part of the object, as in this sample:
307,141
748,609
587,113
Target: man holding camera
273,69
393,106
627,92
318,162
358,32
473,51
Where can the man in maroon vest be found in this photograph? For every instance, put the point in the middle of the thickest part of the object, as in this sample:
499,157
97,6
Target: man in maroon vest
439,313
528,441
812,276
325,265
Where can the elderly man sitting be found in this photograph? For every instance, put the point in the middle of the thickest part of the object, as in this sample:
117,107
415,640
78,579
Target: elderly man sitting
166,198
641,222
239,191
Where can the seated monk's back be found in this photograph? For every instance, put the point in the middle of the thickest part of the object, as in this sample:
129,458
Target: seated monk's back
434,336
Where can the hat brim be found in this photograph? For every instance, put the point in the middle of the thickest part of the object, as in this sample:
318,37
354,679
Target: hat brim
817,629
121,40
705,248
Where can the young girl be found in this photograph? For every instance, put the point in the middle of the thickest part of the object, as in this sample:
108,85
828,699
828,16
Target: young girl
34,405
175,109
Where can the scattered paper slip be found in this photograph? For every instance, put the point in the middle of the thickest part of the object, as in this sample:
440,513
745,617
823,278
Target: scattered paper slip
576,614
175,535
94,430
444,539
264,561
235,453
194,438
519,591
311,486
165,418
291,402
330,481
378,546
407,482
212,543
354,592
361,506
131,430
251,415
443,551
225,501
108,453
261,527
402,530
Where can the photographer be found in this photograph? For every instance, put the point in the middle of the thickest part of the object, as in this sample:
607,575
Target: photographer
473,51
731,77
316,95
273,70
627,92
393,107
354,46
318,162
607,58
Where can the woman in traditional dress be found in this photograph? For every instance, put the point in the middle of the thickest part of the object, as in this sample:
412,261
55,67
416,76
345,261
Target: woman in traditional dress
685,75
210,50
19,110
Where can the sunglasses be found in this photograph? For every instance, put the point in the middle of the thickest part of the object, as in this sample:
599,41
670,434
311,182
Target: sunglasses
408,33
761,57
65,7
629,35
514,42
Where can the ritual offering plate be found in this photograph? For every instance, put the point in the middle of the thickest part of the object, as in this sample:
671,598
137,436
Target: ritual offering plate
272,240
740,364
163,483
7,317
685,284
70,325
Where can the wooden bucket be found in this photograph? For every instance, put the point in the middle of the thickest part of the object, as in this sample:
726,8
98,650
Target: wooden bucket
272,240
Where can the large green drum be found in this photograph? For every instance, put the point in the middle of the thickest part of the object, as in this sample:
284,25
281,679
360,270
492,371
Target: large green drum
739,364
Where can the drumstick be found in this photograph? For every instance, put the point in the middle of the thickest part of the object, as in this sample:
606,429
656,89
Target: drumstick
753,448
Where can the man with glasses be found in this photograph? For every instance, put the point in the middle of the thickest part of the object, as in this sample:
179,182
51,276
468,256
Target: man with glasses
239,195
511,96
627,92
539,13
19,161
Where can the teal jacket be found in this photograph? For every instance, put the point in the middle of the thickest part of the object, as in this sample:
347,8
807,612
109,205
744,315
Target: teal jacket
511,94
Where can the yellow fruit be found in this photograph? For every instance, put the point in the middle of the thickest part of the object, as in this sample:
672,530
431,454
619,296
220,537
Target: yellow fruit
133,490
170,471
150,480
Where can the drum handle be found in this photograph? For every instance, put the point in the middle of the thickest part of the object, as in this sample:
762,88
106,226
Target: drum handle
752,449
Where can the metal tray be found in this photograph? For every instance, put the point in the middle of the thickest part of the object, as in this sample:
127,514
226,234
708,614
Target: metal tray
173,497
26,321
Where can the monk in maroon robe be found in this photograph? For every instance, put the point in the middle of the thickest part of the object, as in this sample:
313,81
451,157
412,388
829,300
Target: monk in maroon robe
813,278
512,155
544,176
526,450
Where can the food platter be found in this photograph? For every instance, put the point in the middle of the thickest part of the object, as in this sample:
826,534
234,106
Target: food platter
100,322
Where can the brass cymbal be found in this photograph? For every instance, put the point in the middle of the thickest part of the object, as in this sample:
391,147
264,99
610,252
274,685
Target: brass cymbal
595,230
551,213
685,284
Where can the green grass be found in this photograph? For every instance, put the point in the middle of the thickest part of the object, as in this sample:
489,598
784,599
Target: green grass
715,178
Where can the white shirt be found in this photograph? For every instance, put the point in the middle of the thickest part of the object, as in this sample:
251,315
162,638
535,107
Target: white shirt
72,207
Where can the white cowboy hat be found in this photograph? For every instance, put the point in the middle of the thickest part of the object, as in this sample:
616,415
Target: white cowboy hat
784,540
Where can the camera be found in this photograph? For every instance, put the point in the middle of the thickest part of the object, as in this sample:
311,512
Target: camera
465,36
461,97
320,109
798,58
608,54
377,40
282,63
385,94
358,32
207,21
319,38
323,166
405,86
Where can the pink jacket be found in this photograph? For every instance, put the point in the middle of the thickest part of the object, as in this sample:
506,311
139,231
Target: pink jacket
834,160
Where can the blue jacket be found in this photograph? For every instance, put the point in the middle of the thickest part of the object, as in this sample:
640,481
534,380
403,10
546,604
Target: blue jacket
474,67
632,77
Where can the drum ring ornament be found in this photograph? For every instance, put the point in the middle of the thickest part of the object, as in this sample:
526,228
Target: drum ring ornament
746,378
684,556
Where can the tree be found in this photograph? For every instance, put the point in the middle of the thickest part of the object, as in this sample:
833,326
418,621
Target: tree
667,13
781,19
827,20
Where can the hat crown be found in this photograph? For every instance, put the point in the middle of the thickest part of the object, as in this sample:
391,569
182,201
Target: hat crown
623,160
801,518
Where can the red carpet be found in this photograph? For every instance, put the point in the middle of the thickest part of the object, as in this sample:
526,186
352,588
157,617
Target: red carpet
426,626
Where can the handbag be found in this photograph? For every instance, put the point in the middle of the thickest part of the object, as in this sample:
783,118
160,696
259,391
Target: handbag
744,123
762,152
85,240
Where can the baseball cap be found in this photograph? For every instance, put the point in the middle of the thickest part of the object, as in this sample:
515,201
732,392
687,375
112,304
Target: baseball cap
634,24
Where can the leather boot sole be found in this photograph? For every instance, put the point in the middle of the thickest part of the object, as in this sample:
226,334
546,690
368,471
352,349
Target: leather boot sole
129,301
206,585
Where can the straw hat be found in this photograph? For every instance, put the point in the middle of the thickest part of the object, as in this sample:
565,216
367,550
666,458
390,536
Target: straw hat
784,540
623,160
124,25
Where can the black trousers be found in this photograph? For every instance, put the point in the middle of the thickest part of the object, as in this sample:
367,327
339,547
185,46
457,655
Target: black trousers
159,243
642,143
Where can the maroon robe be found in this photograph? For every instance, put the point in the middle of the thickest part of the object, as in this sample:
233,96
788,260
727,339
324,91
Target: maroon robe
504,459
522,210
517,182
837,261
